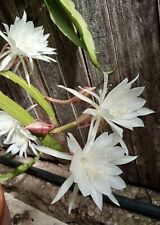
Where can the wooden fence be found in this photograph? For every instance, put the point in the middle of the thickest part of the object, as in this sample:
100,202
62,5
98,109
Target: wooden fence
126,33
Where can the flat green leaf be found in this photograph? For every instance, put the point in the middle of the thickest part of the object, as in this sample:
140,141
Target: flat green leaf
21,114
82,28
33,92
51,142
15,110
63,10
19,170
59,17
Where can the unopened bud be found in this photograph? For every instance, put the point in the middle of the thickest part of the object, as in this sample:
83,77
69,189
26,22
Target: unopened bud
40,127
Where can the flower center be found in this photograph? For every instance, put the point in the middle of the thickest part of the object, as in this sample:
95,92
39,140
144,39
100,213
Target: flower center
118,111
91,170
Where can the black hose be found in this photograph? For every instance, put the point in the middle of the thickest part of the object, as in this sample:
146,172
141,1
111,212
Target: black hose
146,209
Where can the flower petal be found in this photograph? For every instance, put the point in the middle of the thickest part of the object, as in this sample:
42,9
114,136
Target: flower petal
90,111
5,62
79,95
117,182
53,152
90,92
4,36
73,144
97,198
63,189
73,198
102,185
135,122
113,199
144,111
125,159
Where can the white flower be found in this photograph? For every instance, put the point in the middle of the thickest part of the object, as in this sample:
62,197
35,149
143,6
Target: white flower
121,106
7,125
25,42
20,142
94,169
13,134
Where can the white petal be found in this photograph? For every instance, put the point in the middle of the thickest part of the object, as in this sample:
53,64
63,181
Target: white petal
136,78
125,159
116,129
117,182
137,91
93,131
136,104
73,144
13,149
53,152
113,199
124,146
23,149
81,178
24,16
112,170
114,153
5,62
144,111
4,36
89,111
90,92
105,140
73,198
31,64
79,95
102,185
32,146
8,140
135,122
63,189
4,53
6,27
97,198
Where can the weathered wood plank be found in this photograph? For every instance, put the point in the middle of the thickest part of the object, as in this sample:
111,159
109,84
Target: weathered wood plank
126,34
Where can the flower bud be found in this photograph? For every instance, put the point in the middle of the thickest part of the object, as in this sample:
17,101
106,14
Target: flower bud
40,127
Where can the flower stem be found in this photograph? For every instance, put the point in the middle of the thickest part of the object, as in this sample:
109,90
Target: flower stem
82,119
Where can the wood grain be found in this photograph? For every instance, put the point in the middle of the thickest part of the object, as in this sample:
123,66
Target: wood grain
126,34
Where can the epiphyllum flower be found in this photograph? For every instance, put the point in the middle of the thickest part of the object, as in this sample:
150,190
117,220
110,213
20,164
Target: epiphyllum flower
121,106
25,43
7,125
13,134
20,141
94,169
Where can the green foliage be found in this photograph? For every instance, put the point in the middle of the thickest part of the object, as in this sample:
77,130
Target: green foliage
33,92
19,170
19,113
67,18
51,142
15,110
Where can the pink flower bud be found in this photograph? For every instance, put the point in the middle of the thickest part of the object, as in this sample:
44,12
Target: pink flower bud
40,127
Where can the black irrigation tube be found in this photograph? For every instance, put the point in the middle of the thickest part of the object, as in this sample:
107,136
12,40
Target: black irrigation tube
146,209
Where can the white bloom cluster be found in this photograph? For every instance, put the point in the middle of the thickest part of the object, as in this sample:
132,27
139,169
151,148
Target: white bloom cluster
25,43
94,169
16,136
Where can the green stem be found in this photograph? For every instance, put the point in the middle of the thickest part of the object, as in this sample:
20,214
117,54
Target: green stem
82,119
19,170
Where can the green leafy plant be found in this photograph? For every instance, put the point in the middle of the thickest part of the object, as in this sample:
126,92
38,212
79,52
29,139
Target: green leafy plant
71,23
